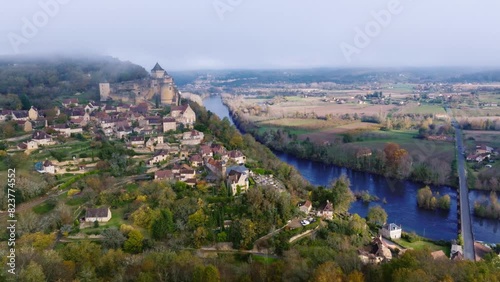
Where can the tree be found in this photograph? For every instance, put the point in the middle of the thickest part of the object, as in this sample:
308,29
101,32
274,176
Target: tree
38,240
199,236
357,225
163,225
377,215
134,242
444,202
32,273
398,161
242,233
355,276
25,102
342,196
111,265
112,238
53,266
211,274
144,216
327,272
82,253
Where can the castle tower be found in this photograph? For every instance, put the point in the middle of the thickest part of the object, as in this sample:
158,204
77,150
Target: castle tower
158,72
168,94
104,90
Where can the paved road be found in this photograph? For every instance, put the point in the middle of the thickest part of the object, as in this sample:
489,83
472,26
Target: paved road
465,217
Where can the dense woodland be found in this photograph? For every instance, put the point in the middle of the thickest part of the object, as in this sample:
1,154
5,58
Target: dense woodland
38,81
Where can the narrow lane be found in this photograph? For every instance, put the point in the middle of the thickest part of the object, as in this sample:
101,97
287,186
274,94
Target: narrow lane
465,217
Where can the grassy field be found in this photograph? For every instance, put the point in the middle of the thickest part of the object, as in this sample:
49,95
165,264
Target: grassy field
43,208
263,259
490,138
420,245
416,147
424,109
365,134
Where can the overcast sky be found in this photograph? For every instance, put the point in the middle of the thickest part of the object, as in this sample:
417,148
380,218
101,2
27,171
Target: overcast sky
200,34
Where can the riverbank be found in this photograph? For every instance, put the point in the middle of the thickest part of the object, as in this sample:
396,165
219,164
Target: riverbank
431,170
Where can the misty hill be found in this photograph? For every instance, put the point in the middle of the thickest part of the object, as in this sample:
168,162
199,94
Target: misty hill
42,80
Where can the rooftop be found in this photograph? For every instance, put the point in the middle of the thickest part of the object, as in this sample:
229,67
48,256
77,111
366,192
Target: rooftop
157,67
392,227
97,212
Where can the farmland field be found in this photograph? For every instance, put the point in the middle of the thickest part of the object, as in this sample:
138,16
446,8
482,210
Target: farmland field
424,109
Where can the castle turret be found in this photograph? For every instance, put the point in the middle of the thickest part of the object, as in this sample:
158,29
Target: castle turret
158,72
168,94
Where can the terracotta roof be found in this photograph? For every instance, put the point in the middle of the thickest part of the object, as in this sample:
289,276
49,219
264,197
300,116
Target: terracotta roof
235,154
164,174
196,158
306,204
179,108
186,171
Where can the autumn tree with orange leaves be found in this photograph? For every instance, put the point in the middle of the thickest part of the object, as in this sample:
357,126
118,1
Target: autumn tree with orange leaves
398,161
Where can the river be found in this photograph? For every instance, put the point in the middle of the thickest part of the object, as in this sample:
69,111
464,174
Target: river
400,196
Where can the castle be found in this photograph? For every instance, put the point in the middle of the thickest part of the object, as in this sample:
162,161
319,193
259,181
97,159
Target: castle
159,84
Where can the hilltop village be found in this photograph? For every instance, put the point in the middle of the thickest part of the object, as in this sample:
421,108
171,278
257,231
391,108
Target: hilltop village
161,140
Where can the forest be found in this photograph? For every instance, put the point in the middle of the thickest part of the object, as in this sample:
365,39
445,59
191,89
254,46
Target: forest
38,81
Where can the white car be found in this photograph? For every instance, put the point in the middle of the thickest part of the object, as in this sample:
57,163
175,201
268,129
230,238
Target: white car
305,222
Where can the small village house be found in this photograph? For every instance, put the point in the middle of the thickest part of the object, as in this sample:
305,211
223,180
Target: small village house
237,179
326,211
305,207
391,231
98,214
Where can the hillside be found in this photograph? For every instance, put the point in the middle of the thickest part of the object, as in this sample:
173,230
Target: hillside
39,81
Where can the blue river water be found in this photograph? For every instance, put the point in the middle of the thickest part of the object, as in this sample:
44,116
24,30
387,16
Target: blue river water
400,196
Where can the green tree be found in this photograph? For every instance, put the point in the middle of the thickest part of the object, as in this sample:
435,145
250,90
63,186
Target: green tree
342,196
32,273
211,274
82,253
25,102
163,225
444,202
327,272
376,215
144,216
134,242
242,233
